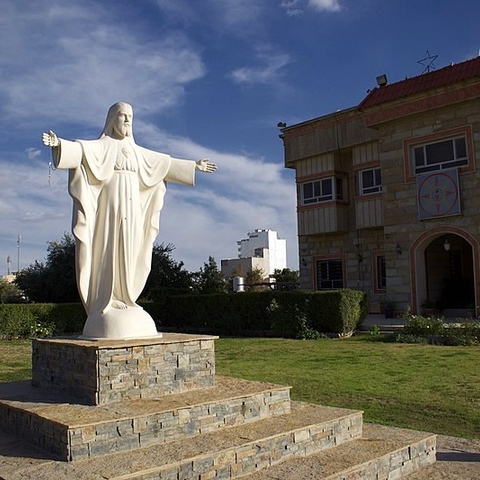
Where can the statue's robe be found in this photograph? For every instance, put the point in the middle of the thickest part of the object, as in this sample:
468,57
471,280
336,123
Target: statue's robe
118,189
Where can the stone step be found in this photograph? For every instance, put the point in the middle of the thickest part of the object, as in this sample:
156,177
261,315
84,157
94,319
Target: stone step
381,329
381,453
73,432
228,453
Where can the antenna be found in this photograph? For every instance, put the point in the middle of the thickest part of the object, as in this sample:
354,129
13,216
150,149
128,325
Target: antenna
19,238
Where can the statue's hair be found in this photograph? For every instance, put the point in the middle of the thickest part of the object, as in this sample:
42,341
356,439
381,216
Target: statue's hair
112,111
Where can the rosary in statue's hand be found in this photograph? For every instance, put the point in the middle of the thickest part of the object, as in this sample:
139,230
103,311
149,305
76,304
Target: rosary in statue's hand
50,139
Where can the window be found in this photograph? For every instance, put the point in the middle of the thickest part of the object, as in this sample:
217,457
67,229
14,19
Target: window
324,190
370,181
381,277
440,155
329,274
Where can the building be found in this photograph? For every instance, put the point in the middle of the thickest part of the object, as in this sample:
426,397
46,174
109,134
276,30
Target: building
9,277
387,192
262,249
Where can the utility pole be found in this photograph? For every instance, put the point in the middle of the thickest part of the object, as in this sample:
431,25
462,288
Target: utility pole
18,253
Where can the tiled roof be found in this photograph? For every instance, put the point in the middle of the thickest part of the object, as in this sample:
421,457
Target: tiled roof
411,86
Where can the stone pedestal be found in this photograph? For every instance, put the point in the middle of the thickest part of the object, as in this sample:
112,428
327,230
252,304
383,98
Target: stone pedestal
152,408
107,371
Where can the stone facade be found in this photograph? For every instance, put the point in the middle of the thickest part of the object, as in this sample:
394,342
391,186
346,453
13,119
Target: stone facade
108,371
384,242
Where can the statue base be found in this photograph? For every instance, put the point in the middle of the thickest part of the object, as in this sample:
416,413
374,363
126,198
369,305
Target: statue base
100,372
115,323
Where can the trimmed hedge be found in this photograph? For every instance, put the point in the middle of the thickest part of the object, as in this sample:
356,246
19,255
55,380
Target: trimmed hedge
270,313
282,314
40,319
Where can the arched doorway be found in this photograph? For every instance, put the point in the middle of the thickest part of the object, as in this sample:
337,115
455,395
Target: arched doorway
449,273
444,270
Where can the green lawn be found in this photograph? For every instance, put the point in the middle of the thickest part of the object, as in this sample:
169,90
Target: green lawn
424,387
431,388
15,360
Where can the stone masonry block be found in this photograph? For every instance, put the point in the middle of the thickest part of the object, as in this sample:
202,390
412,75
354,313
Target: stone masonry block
90,371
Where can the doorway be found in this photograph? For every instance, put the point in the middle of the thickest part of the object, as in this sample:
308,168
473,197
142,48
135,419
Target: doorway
445,270
450,282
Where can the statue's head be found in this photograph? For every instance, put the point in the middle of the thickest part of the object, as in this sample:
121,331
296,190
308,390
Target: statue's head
119,121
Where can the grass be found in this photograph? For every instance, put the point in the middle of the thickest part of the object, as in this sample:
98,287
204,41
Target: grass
15,360
424,387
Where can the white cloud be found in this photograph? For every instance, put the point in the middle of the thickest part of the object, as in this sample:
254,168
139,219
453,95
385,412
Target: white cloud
75,76
295,8
32,153
269,70
32,208
325,5
292,7
245,193
225,17
239,13
54,74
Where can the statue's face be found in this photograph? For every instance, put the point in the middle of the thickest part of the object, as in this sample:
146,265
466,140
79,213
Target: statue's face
122,122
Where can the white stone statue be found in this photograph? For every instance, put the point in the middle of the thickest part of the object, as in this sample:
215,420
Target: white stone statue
117,189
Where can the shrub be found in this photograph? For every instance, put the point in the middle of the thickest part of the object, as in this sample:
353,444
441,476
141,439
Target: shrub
424,326
464,334
337,311
284,314
435,331
16,321
40,319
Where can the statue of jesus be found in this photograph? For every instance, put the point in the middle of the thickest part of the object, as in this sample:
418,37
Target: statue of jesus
117,188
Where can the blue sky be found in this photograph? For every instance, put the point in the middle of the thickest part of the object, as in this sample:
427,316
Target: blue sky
206,78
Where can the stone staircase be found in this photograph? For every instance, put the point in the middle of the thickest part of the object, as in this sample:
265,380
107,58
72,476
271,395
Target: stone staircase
203,426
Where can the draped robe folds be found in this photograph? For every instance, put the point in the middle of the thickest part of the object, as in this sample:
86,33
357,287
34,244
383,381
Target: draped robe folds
117,189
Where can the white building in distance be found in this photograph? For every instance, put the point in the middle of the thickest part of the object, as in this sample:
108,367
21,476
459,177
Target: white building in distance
262,249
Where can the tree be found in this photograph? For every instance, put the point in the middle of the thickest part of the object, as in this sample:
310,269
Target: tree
166,272
210,279
53,281
253,276
10,293
286,279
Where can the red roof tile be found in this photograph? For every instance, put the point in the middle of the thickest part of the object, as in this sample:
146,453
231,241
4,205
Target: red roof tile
411,86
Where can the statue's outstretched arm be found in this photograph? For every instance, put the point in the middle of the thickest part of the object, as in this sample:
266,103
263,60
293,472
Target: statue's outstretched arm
204,165
65,153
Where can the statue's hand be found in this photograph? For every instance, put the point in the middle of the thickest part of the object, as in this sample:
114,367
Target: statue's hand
204,165
50,139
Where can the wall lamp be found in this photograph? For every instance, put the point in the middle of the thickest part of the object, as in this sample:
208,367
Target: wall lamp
446,245
398,249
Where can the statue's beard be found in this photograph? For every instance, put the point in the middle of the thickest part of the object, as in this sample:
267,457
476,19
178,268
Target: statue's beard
123,131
